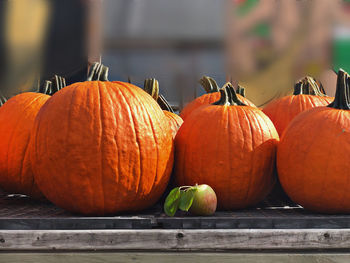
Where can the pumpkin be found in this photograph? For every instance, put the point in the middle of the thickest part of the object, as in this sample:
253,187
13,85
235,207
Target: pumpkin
212,95
229,146
312,158
151,86
17,117
101,147
306,95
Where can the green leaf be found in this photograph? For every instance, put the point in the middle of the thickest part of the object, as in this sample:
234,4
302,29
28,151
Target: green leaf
172,202
186,199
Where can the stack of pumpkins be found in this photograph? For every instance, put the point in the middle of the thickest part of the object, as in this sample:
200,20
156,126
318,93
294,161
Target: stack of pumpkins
103,147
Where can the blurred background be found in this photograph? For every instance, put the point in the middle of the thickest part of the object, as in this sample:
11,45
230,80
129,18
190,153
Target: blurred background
265,45
174,41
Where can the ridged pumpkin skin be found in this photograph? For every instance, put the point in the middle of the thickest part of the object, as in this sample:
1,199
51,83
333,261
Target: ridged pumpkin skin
230,148
282,111
207,99
102,147
17,117
174,120
313,156
312,161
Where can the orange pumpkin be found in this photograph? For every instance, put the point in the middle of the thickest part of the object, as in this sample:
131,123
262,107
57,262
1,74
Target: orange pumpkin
229,146
312,158
101,147
306,95
213,95
17,117
151,86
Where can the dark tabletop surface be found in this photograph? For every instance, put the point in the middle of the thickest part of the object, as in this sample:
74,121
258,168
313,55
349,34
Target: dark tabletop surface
20,212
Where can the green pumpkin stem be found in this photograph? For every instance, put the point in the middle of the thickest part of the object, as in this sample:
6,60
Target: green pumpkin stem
228,96
342,94
151,86
2,99
52,86
308,86
98,72
321,88
240,90
209,84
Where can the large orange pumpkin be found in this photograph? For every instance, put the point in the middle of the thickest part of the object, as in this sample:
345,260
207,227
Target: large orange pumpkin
17,117
312,161
213,95
306,95
229,146
151,86
101,147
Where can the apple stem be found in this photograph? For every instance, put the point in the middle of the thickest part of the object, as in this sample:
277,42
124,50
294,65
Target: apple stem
185,187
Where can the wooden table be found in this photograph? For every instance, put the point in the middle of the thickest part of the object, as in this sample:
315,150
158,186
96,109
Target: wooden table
272,232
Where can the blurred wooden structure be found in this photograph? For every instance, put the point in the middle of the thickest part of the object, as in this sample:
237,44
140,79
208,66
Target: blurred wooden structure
40,38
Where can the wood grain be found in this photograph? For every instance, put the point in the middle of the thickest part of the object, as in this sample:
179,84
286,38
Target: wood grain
123,257
176,240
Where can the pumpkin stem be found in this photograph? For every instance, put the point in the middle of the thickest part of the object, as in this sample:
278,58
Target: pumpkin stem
2,99
151,86
342,94
98,72
209,84
308,86
228,96
52,86
240,90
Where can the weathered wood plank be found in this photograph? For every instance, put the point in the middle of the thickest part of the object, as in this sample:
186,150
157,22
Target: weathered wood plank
123,257
176,240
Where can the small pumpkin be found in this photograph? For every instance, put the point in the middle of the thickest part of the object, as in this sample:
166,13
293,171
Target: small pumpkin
151,86
307,94
17,117
229,146
101,147
212,95
312,161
